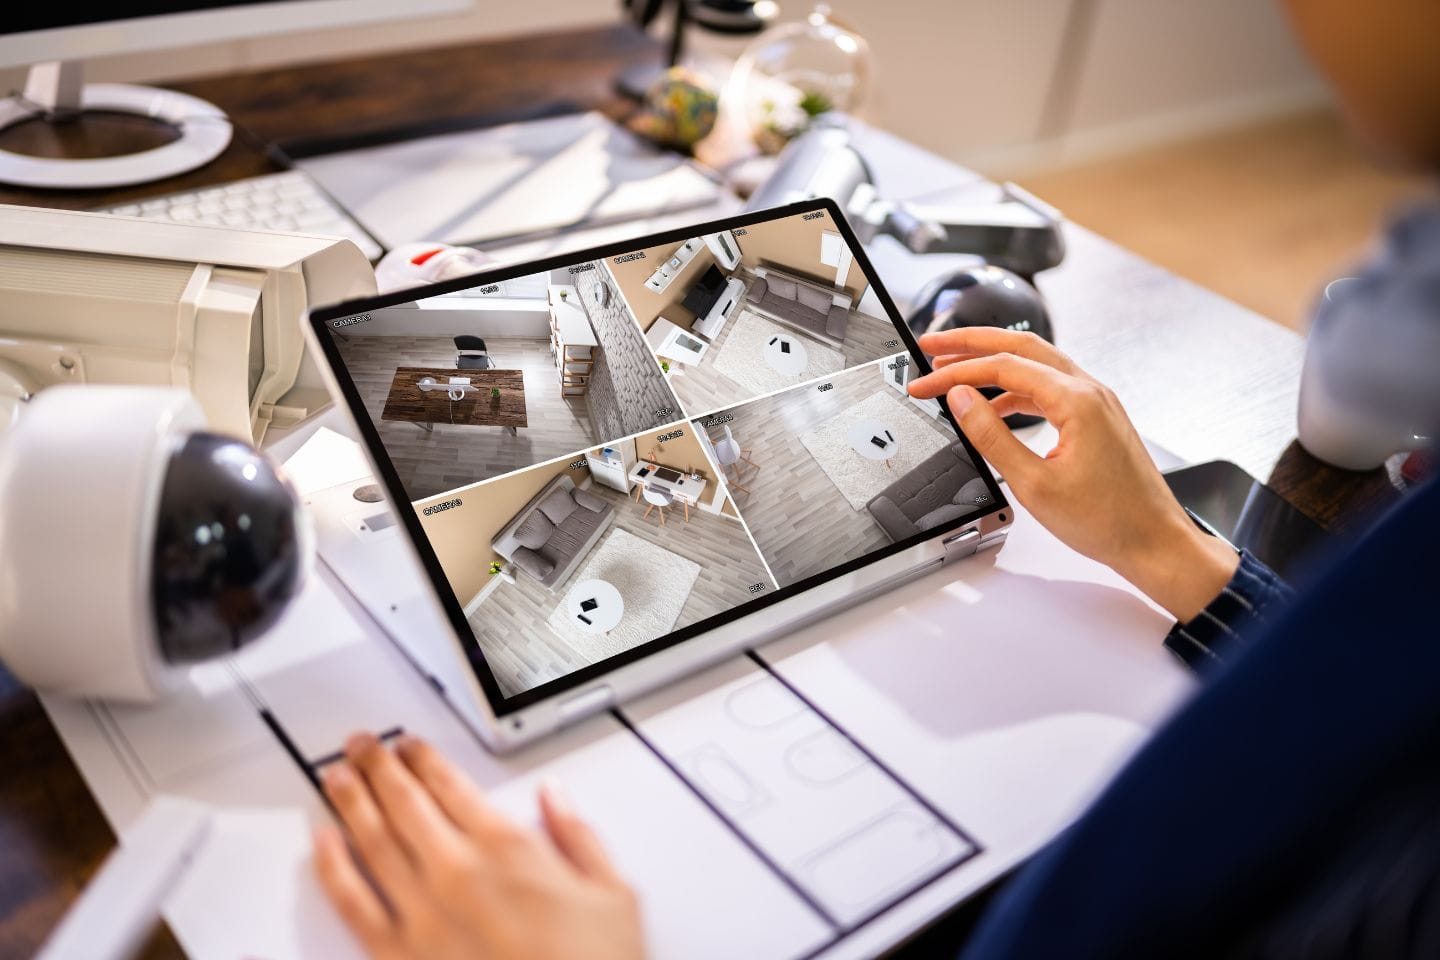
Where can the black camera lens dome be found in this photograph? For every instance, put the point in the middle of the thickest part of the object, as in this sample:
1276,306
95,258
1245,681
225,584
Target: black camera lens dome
228,554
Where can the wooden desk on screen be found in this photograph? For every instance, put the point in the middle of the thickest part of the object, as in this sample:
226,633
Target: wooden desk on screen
52,833
479,408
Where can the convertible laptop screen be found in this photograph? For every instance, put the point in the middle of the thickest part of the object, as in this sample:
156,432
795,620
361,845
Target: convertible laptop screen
614,453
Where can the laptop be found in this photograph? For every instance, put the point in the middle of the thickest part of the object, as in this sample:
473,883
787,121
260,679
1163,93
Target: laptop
633,491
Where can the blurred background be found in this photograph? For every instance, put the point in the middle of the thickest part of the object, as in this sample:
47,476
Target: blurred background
1193,133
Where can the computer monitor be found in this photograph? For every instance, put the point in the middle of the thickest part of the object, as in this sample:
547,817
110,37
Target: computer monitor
54,40
89,298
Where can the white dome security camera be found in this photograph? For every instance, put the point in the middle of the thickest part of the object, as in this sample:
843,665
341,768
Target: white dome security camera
133,543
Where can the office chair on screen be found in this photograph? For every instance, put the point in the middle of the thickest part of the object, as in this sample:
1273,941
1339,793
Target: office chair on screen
658,500
471,354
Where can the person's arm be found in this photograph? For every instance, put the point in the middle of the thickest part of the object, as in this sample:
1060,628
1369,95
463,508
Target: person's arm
1097,490
1242,607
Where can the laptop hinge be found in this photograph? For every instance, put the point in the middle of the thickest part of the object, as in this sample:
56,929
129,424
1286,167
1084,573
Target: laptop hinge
960,545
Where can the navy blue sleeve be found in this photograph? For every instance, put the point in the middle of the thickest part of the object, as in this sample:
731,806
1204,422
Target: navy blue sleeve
1241,610
1249,793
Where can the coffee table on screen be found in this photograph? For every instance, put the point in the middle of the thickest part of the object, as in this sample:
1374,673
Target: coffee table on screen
594,606
786,354
873,440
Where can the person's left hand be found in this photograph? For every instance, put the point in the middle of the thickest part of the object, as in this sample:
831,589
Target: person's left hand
453,877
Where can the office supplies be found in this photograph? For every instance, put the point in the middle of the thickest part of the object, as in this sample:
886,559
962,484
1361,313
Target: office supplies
185,545
288,202
939,680
88,298
558,522
499,184
48,39
1182,359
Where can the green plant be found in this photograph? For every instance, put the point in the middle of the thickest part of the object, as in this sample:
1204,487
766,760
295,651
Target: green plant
665,365
564,294
494,393
495,567
815,103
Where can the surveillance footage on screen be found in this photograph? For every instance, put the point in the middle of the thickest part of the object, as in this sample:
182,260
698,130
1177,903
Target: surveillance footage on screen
619,449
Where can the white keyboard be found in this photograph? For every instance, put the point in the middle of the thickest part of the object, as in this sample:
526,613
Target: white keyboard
289,202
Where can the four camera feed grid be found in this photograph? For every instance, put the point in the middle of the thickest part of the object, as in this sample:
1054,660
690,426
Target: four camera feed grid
609,452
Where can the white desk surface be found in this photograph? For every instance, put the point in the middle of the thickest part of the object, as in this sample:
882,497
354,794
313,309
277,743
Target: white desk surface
570,319
687,488
1008,714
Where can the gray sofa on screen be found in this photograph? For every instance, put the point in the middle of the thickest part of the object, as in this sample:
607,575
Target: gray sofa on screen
808,306
944,487
547,539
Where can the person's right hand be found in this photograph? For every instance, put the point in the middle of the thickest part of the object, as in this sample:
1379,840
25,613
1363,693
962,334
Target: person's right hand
1098,490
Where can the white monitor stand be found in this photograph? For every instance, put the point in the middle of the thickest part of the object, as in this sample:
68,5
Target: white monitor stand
56,88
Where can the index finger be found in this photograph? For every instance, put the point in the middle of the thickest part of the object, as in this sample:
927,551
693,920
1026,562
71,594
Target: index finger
1047,386
985,341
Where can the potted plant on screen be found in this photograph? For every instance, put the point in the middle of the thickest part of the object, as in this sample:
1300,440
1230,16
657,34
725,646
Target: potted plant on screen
564,295
494,393
495,567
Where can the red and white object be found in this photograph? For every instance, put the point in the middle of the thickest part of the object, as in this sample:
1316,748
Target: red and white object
415,264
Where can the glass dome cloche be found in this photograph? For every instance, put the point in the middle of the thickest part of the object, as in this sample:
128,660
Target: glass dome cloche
793,72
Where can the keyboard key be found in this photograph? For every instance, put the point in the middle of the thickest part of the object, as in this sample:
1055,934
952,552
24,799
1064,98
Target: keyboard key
309,219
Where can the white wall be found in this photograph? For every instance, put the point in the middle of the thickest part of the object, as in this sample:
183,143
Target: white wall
974,80
442,317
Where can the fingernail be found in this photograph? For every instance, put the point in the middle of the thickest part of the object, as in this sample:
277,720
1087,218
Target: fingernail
358,742
405,743
960,400
335,775
558,799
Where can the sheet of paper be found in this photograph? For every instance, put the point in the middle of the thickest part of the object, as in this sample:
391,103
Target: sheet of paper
325,459
525,179
1007,713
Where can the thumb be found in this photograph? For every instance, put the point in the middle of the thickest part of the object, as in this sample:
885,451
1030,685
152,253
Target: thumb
991,437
